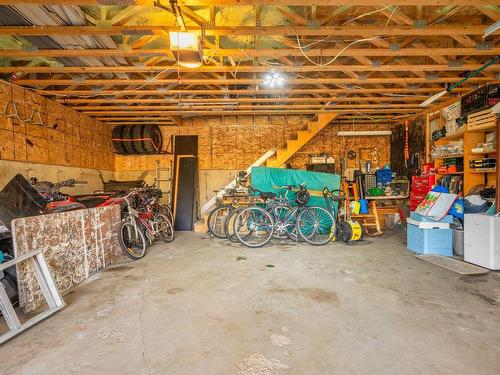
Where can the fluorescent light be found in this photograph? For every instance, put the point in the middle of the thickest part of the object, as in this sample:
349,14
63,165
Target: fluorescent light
433,98
491,29
363,133
187,47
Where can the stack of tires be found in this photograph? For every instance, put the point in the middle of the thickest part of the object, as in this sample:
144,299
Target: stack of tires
137,139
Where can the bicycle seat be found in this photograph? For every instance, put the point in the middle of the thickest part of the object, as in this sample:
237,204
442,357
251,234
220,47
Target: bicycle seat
267,195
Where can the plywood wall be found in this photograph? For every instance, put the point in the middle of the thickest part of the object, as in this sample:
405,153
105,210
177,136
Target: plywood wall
67,137
235,142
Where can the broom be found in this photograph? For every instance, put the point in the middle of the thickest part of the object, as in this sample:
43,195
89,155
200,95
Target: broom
435,97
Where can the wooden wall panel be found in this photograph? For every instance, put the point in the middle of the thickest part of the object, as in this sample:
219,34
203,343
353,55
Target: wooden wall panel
69,138
235,142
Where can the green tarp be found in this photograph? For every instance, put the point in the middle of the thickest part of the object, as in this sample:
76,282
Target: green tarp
267,179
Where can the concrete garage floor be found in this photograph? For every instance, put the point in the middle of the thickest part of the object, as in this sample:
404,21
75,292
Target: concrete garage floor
200,306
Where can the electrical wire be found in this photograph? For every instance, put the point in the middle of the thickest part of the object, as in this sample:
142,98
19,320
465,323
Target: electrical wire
169,70
346,47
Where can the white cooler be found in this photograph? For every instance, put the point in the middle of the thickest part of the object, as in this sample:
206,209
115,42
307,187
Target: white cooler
482,240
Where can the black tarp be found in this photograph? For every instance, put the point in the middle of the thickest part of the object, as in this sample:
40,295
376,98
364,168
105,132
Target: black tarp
19,199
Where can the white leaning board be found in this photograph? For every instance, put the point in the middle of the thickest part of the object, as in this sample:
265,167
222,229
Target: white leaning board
482,240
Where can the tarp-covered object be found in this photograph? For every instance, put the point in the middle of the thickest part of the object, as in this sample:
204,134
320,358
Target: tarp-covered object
19,199
266,179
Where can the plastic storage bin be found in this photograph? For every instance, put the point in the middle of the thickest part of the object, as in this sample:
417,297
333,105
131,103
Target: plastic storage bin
418,217
384,175
430,241
438,241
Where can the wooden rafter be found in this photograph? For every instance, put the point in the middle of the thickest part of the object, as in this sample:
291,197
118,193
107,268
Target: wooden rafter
437,30
352,52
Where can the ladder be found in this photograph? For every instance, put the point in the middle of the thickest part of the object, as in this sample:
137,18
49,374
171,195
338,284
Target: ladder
168,180
49,289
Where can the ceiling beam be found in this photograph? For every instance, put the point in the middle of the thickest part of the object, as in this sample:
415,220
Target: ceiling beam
245,53
370,3
438,30
242,68
241,81
69,102
247,92
149,108
233,111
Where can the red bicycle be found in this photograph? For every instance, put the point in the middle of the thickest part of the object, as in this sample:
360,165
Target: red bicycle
143,223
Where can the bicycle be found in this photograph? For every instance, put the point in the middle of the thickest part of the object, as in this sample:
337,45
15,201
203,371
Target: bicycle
142,226
255,226
218,216
318,226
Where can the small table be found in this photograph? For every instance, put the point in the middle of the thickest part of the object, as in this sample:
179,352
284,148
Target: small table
395,202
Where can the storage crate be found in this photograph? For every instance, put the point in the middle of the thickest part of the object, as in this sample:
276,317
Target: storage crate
369,181
484,97
384,175
424,180
430,241
481,120
418,217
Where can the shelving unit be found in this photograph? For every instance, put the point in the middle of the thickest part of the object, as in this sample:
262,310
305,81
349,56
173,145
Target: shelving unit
472,134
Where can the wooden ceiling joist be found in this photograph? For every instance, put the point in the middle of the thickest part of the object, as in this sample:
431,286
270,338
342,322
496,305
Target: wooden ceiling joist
264,52
243,81
70,102
364,31
242,68
247,92
370,3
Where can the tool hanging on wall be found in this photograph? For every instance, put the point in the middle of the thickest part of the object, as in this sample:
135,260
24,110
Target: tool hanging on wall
407,147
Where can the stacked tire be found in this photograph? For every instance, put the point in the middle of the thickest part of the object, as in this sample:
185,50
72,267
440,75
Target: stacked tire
137,139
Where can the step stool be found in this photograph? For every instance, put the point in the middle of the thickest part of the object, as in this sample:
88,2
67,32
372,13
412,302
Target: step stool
47,285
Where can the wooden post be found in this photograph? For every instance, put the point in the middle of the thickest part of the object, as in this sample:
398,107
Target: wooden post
497,186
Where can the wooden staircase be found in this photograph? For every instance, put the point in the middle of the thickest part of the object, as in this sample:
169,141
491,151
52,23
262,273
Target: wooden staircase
303,136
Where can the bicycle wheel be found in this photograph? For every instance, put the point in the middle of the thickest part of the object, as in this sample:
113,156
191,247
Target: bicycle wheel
254,227
229,225
216,221
316,225
132,240
167,211
165,228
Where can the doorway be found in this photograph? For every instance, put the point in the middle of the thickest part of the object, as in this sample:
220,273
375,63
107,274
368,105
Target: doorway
186,181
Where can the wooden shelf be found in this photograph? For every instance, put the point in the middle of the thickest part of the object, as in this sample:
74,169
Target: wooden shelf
450,156
484,152
458,134
482,128
448,173
480,171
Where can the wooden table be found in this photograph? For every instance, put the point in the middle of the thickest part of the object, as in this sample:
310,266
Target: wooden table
394,206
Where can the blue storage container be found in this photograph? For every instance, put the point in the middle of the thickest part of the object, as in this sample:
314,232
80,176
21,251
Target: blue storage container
418,217
384,176
430,241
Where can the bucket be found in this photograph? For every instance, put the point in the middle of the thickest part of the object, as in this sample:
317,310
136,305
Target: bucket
458,242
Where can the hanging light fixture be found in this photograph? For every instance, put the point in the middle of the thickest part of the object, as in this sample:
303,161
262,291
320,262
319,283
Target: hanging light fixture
274,80
187,48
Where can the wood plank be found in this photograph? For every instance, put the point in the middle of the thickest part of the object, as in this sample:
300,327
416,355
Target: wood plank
279,52
434,30
243,68
241,81
369,3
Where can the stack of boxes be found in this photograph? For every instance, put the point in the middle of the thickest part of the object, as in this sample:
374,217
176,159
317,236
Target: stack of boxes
420,186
